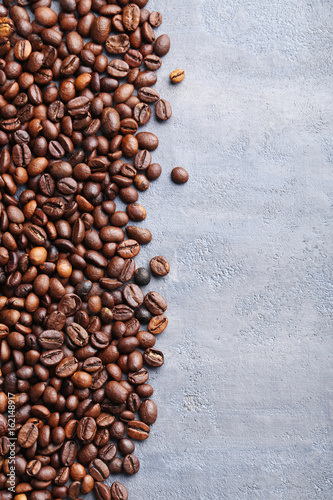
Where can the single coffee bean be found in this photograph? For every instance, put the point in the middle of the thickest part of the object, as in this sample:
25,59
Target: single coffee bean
179,175
131,17
138,430
68,453
153,357
116,392
142,276
102,491
155,19
142,159
177,75
51,339
69,304
133,295
160,265
155,303
148,411
142,236
51,357
139,377
136,212
147,140
107,452
146,339
158,324
74,490
162,45
33,467
142,113
152,62
98,469
116,465
67,367
131,464
117,44
129,248
118,491
148,95
163,110
118,68
78,335
28,434
100,29
86,430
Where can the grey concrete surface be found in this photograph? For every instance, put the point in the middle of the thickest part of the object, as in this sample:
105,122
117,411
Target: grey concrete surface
245,396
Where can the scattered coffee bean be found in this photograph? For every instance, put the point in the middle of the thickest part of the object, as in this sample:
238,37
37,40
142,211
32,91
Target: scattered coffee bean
179,175
142,276
131,464
163,110
177,75
160,265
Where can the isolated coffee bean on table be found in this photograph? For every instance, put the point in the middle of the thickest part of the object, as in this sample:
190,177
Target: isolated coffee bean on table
179,175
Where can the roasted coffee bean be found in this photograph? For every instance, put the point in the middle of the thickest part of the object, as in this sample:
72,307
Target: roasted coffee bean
158,324
163,110
139,377
118,492
107,452
152,62
129,248
69,304
102,491
142,159
177,75
28,434
138,430
98,469
57,320
66,367
116,392
148,411
155,19
34,233
146,339
153,357
179,175
51,357
148,95
86,430
142,236
78,335
162,45
74,490
155,303
133,295
68,453
117,44
147,140
51,339
131,464
160,265
118,68
145,79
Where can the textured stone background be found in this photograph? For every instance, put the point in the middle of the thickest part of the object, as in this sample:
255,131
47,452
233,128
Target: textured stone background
245,397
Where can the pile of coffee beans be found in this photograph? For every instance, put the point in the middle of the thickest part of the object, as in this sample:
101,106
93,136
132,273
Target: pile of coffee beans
77,331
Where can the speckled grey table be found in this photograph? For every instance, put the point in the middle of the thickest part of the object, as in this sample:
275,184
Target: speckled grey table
245,396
